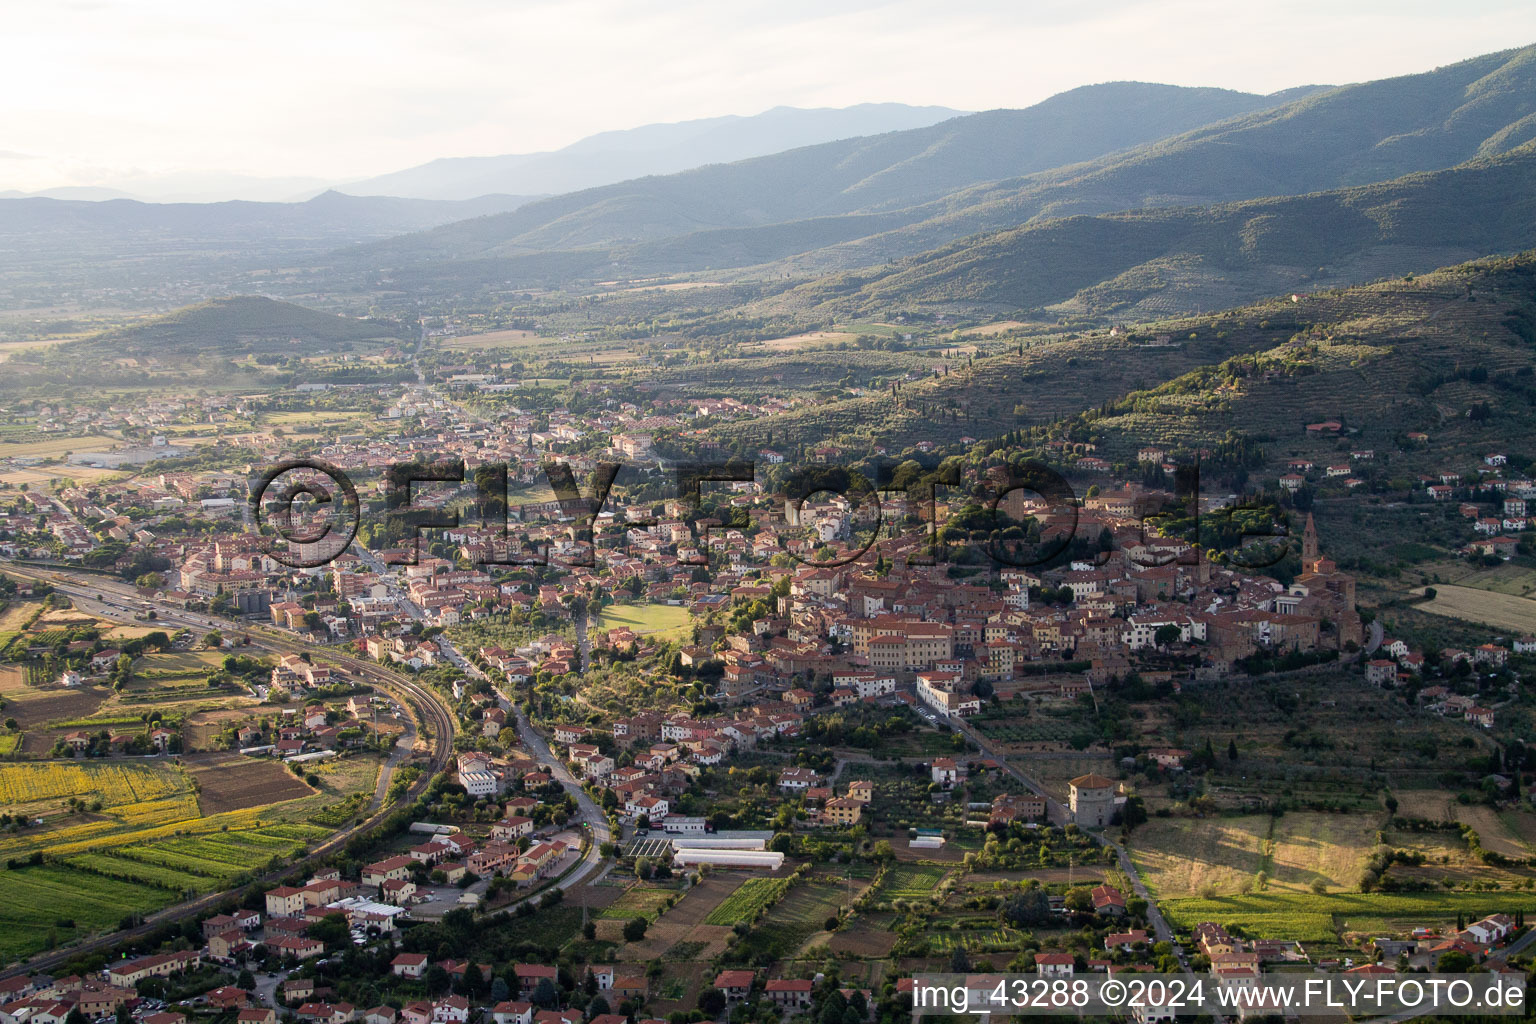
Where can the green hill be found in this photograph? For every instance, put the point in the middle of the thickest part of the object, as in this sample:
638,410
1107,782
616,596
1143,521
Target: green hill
1448,354
1153,262
1394,357
239,325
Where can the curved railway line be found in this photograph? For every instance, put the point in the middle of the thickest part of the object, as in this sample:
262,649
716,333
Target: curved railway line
435,720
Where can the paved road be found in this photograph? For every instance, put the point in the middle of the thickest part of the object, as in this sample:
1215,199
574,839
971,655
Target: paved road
588,811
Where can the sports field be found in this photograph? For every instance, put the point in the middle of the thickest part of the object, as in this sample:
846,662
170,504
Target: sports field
668,622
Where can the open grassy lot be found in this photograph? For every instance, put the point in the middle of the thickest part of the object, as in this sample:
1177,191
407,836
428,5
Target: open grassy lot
1503,611
1186,856
178,662
798,342
16,615
668,622
987,330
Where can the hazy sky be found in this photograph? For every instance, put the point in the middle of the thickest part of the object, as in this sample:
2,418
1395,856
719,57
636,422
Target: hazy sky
97,92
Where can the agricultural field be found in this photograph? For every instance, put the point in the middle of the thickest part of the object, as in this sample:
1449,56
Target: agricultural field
910,882
492,339
50,904
1188,856
1449,862
747,902
1502,611
232,782
1510,833
1513,578
211,859
869,934
55,447
683,926
1308,917
973,940
640,900
213,843
796,920
148,844
666,622
27,785
34,476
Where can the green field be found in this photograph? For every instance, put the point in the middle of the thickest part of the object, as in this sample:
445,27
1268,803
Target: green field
638,901
790,922
40,900
979,940
1307,917
910,881
666,621
749,900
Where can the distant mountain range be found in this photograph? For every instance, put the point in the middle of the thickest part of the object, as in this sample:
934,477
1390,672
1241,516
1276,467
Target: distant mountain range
1122,199
599,159
37,231
1096,151
652,149
186,187
894,173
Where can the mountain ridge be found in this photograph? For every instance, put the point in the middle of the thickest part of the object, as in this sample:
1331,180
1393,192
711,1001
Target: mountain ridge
662,148
713,218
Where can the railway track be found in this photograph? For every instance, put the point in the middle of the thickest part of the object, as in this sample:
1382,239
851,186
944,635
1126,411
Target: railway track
431,715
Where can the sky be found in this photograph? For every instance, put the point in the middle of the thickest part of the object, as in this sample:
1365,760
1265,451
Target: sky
109,93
